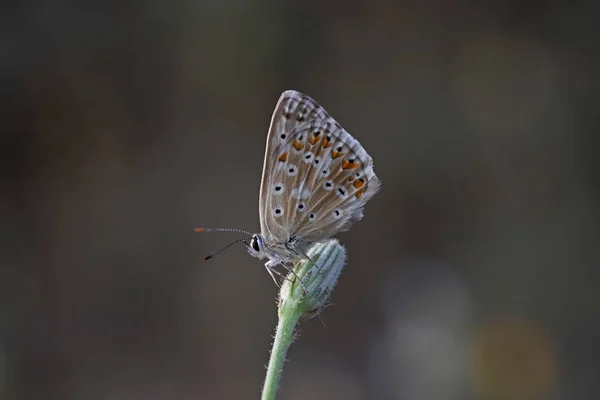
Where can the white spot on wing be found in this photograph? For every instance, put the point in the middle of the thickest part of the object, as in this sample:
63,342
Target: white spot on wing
291,170
278,211
308,157
342,192
328,185
301,193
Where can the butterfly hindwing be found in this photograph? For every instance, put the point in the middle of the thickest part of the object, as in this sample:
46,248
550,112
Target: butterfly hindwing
316,176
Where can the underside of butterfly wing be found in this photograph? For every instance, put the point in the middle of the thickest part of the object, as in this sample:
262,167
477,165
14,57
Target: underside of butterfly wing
316,177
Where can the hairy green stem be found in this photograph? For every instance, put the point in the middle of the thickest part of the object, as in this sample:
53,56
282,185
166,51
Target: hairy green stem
284,336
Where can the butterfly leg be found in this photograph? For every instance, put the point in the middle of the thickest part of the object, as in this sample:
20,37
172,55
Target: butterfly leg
270,266
311,260
270,271
291,270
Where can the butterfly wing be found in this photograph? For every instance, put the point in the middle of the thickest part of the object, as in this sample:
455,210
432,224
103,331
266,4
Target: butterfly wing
293,113
316,176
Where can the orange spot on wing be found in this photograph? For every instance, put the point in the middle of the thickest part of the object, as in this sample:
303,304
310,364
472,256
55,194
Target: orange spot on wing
326,143
283,157
313,140
350,179
359,183
349,165
360,193
336,154
298,145
199,230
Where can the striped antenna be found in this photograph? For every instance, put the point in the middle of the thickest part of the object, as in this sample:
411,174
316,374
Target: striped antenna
222,230
208,257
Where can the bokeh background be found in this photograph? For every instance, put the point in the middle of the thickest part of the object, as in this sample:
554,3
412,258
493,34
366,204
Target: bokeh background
474,274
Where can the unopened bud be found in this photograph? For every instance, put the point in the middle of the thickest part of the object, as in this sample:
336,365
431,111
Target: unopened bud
318,278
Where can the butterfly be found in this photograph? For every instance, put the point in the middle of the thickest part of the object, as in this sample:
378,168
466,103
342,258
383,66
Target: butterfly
315,183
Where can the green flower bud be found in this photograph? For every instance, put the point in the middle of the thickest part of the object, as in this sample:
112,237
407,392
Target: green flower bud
318,281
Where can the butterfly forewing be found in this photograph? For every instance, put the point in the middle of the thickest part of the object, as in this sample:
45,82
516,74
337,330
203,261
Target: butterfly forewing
292,113
316,176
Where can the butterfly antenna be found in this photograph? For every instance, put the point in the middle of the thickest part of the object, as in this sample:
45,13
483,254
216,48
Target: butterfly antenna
222,230
208,257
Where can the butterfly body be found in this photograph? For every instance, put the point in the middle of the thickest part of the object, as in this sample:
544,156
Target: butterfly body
316,181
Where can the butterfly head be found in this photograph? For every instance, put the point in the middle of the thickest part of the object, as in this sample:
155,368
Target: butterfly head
256,246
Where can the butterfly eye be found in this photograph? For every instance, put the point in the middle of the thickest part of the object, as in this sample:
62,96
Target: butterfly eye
301,206
316,160
328,185
312,216
337,213
278,188
325,172
254,244
278,211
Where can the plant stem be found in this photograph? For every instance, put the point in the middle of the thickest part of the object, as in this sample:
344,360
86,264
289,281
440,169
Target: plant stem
304,292
284,336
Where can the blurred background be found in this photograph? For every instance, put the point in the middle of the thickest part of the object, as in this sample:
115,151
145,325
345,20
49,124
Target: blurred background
124,125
